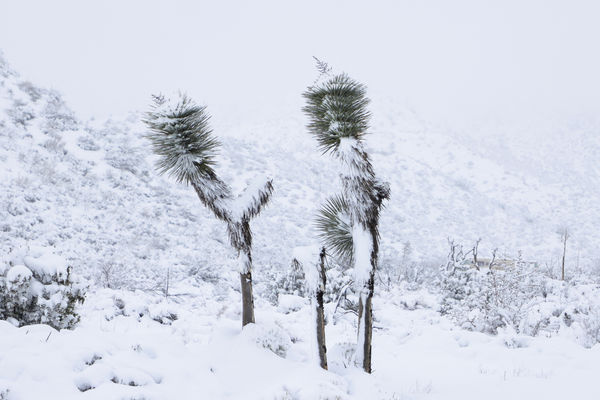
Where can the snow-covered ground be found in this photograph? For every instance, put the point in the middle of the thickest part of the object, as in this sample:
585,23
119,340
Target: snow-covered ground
116,354
88,189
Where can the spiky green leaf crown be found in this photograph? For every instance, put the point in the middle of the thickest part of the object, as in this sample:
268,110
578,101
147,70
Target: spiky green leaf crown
181,136
334,228
337,109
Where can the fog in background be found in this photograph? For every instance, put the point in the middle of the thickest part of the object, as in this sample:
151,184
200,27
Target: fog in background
462,62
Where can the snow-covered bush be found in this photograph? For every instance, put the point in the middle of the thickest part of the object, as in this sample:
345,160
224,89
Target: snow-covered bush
37,287
138,304
520,297
58,117
293,282
268,336
21,113
489,298
570,309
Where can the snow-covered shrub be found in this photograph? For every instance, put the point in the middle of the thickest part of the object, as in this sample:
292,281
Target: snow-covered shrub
110,275
34,92
399,265
572,309
124,159
139,305
519,297
87,143
37,287
21,113
464,298
413,299
58,117
163,313
268,336
293,282
341,354
591,328
489,298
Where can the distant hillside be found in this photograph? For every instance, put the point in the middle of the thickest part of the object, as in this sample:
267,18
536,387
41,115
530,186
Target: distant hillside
89,189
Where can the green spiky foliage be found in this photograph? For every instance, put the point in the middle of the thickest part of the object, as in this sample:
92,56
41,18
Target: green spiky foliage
339,119
334,228
337,109
181,136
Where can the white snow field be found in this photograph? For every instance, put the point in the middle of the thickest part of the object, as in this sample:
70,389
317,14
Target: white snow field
205,355
88,191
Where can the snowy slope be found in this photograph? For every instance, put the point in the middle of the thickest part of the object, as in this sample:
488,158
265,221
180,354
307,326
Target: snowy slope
89,190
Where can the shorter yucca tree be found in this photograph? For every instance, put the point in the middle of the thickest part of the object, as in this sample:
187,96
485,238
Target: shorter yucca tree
183,140
348,222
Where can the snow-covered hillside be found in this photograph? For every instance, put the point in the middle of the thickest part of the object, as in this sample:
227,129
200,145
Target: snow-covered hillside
89,190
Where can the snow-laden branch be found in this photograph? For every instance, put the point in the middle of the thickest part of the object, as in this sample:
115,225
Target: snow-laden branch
250,202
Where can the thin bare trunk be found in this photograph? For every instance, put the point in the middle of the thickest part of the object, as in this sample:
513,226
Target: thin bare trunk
243,238
320,315
247,298
366,307
368,327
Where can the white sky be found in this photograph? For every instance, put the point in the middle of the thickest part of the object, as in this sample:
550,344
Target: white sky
456,59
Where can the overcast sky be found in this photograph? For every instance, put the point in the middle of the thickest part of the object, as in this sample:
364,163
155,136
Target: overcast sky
464,59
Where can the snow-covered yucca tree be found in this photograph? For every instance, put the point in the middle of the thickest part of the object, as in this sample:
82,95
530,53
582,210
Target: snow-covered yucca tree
182,138
348,222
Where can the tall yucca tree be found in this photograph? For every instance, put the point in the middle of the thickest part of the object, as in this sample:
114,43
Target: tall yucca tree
348,222
182,138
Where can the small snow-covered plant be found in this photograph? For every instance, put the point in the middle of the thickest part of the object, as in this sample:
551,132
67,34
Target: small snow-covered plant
294,281
470,296
21,113
349,222
269,336
37,286
182,138
58,116
458,276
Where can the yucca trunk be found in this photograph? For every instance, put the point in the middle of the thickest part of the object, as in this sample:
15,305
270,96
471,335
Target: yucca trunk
320,314
365,309
247,298
365,315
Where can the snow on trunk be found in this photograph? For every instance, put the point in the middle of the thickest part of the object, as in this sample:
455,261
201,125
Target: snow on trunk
244,263
359,354
362,248
312,261
362,244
